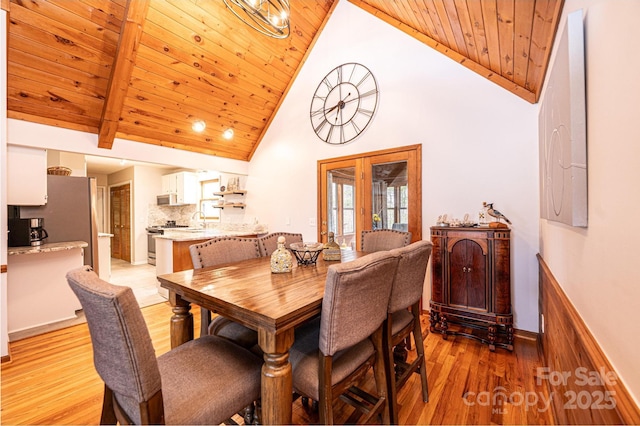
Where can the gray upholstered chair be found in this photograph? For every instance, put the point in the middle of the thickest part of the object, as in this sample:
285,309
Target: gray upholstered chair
332,353
269,242
383,239
216,252
403,320
182,386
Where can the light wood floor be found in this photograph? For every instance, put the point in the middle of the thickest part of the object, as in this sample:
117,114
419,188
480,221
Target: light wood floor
51,380
141,279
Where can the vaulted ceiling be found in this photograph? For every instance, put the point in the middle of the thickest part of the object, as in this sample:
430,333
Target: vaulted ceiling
145,70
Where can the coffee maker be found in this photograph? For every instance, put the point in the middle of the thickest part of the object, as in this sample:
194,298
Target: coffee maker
37,231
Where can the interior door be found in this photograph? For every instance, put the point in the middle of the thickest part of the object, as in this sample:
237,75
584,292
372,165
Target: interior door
120,197
341,201
370,191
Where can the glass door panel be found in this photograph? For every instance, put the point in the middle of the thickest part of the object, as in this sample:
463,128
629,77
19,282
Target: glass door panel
339,212
389,197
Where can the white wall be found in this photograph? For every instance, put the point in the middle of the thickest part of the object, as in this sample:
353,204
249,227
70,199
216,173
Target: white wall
597,267
479,141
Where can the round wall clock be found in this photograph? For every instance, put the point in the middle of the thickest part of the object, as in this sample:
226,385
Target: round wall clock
344,103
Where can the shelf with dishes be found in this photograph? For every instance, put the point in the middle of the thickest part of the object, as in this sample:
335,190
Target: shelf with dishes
234,192
230,202
236,205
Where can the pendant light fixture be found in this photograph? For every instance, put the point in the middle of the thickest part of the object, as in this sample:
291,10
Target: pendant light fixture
269,17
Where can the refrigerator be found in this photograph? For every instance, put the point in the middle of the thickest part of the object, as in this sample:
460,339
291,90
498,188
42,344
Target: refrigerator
70,213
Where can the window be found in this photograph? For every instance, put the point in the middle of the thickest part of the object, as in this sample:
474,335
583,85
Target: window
208,200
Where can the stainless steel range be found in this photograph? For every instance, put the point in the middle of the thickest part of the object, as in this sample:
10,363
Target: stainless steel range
152,232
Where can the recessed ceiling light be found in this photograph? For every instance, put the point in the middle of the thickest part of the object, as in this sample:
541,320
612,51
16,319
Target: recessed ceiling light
199,126
228,134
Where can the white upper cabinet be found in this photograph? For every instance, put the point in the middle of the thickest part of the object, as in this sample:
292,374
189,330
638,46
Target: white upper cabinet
26,176
184,184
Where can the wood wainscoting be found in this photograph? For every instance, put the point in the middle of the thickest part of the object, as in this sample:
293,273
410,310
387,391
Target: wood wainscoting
584,387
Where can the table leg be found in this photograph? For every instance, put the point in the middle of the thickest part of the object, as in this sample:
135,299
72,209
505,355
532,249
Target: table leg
181,327
277,387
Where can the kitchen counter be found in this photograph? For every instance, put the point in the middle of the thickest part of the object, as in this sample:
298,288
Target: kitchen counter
46,248
201,234
38,295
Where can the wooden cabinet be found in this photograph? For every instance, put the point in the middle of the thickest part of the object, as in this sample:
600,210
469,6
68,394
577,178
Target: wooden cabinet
26,176
471,284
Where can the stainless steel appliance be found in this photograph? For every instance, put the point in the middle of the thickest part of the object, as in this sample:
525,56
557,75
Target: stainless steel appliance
37,233
167,199
70,213
152,232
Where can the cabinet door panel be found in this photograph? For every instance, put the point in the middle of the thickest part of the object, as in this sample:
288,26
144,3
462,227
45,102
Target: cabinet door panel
476,276
457,274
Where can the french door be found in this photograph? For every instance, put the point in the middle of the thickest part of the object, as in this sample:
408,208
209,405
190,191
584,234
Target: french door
377,190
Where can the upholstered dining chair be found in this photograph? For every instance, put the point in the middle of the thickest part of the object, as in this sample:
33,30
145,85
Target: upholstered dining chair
332,353
268,243
215,252
403,321
383,239
182,386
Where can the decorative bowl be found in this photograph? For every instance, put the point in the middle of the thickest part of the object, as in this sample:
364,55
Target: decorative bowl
306,253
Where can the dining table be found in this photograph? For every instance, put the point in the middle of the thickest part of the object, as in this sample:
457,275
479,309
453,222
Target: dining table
273,304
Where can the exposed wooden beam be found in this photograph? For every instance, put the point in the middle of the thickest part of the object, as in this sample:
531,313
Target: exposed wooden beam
474,66
128,43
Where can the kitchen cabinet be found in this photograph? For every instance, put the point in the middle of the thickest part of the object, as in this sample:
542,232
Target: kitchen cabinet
26,176
184,184
471,284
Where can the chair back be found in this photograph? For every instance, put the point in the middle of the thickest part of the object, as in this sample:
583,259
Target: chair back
269,242
383,239
410,275
355,300
221,250
123,353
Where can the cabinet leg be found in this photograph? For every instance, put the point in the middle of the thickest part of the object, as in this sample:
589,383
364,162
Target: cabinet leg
434,317
493,334
444,325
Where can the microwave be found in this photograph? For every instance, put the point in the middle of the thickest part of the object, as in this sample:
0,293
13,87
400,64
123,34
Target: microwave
168,199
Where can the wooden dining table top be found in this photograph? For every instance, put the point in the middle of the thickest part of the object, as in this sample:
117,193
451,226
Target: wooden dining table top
249,293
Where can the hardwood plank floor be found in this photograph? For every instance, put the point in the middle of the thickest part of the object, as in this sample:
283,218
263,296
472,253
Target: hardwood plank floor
51,380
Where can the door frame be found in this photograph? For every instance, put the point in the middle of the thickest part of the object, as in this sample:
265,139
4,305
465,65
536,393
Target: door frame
362,163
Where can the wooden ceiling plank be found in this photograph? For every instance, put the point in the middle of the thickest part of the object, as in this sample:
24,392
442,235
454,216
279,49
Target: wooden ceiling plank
62,123
73,76
467,30
188,108
124,61
456,26
41,43
403,9
265,85
452,41
522,43
148,128
56,97
59,112
443,37
64,26
242,41
545,26
477,22
505,10
263,97
216,45
197,93
431,31
490,19
105,16
487,73
55,80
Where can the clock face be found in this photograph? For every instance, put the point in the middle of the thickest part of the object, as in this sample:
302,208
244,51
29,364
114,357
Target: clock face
344,103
